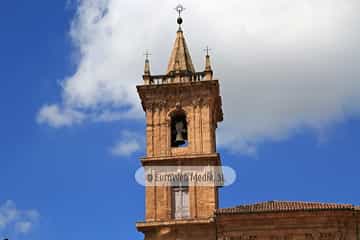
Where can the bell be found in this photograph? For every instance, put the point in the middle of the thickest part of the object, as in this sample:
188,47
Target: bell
179,126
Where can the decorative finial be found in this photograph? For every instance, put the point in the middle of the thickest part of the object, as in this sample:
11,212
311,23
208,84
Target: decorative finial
208,69
147,63
180,8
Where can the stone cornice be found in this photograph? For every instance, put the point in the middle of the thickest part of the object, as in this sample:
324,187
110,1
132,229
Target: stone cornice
142,226
188,159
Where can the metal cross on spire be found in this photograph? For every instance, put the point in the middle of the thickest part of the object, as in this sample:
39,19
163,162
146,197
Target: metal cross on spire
207,50
180,8
147,54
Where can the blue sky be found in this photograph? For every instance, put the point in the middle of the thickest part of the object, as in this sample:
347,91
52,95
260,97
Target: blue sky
75,179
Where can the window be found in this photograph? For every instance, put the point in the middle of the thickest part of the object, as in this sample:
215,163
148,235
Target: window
179,131
180,203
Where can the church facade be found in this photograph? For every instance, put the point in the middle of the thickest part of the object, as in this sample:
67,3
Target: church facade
183,108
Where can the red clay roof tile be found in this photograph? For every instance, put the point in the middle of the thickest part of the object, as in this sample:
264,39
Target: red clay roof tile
285,206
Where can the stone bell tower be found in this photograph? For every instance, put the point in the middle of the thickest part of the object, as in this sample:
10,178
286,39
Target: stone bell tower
183,108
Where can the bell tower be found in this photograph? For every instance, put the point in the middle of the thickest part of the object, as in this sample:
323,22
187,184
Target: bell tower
183,108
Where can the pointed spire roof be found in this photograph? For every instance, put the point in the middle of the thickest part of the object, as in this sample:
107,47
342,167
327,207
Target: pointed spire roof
147,67
208,63
147,73
180,59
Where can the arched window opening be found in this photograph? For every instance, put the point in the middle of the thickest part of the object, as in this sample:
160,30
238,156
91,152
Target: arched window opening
179,130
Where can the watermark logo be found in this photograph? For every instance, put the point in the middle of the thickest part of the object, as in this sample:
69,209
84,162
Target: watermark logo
176,176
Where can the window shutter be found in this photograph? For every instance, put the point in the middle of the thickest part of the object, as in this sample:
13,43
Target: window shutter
181,207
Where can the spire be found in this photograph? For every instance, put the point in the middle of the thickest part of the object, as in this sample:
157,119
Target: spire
180,59
207,60
208,70
207,63
147,64
147,74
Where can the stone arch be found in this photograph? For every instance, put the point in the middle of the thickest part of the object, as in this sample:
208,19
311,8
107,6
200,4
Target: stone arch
179,130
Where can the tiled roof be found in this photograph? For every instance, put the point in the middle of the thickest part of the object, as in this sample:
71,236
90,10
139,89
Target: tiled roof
286,206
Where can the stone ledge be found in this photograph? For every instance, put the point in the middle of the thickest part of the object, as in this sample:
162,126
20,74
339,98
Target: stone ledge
215,157
144,225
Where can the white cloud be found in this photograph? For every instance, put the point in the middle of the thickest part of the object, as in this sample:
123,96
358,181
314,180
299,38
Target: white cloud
125,148
23,227
8,214
13,220
129,143
57,117
288,65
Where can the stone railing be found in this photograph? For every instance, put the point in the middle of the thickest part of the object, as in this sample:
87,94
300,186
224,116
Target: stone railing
176,78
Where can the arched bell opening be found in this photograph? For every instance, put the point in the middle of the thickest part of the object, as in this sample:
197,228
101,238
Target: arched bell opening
179,129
